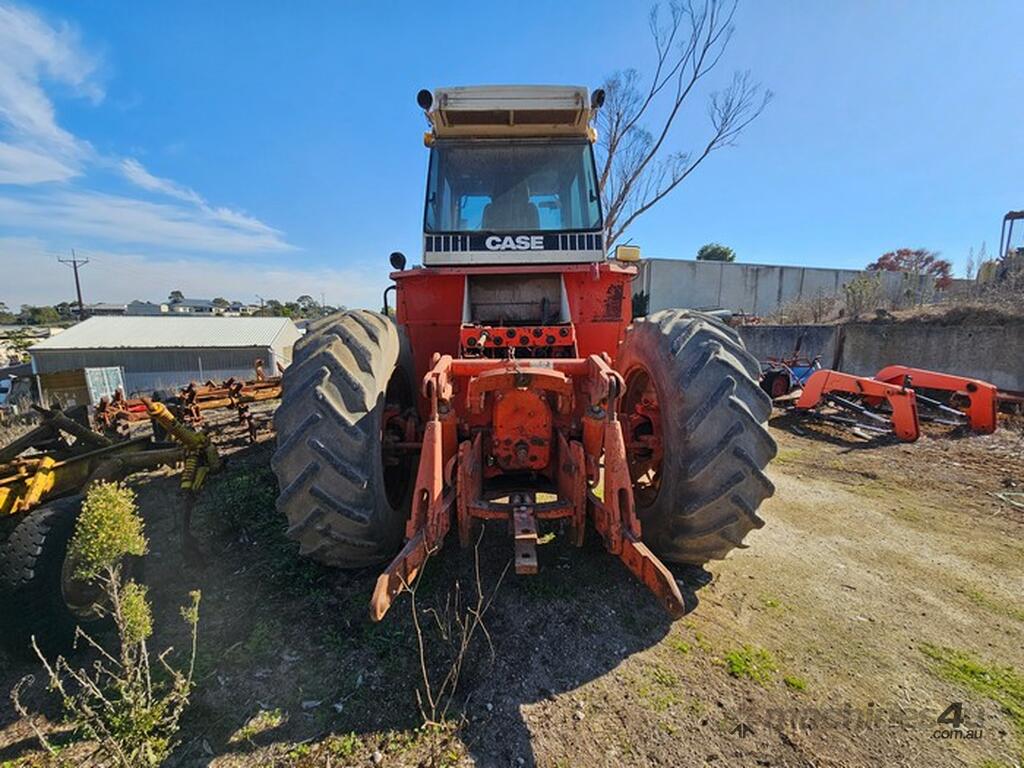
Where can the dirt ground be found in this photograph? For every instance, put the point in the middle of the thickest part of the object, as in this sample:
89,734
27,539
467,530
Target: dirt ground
887,585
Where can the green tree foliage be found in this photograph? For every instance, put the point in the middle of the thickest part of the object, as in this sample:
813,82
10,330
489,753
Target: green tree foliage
716,252
30,315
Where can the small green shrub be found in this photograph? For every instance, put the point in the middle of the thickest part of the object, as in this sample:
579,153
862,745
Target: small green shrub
108,529
118,704
136,614
863,294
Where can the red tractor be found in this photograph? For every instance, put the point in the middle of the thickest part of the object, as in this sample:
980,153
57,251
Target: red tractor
511,383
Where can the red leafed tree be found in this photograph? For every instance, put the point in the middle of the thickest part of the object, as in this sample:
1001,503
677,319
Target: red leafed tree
915,261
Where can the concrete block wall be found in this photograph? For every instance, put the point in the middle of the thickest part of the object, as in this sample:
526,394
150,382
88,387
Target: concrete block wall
993,353
756,289
764,341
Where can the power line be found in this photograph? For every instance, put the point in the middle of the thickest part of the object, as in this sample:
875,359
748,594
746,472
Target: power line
74,262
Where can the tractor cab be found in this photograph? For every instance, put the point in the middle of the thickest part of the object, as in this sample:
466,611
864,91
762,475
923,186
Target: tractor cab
512,178
514,254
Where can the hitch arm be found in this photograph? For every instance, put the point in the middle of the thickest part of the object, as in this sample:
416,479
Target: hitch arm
615,519
431,507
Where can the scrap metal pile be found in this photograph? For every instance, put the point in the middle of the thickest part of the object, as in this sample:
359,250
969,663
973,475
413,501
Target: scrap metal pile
116,414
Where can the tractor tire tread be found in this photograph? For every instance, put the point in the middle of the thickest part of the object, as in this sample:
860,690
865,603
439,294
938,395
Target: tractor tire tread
715,435
328,459
31,564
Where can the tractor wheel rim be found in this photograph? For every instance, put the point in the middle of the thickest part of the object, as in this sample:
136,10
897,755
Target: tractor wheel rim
641,417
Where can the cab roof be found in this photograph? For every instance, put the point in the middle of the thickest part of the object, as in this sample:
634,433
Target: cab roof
492,111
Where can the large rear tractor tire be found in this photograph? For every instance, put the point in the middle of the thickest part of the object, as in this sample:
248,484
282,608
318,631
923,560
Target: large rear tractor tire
38,595
345,495
695,424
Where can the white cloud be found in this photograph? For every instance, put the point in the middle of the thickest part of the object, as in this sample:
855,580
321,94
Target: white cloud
117,219
20,165
121,277
134,171
33,52
50,173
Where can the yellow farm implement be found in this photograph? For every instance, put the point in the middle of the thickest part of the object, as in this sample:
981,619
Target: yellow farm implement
40,498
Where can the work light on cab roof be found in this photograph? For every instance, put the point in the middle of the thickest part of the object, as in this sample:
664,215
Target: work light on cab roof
510,381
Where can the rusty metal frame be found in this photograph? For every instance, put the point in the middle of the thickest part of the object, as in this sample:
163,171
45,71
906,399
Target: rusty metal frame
578,466
982,397
902,400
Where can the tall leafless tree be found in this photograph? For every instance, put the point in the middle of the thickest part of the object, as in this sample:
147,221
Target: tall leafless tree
637,166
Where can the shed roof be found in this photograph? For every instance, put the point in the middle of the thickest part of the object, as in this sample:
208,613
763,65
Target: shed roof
142,332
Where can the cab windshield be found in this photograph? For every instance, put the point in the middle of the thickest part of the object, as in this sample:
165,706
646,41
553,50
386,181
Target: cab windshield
512,187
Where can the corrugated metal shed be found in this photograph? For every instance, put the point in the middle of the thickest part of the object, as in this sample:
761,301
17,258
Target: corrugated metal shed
162,332
168,352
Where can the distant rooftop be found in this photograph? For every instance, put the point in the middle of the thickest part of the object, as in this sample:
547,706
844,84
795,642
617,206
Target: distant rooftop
147,332
191,303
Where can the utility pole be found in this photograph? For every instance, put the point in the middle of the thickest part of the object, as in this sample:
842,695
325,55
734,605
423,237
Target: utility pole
74,262
323,304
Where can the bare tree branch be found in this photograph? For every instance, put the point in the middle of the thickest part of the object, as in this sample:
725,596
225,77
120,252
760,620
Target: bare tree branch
637,168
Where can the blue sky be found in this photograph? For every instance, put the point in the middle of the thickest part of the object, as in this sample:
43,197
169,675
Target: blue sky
266,148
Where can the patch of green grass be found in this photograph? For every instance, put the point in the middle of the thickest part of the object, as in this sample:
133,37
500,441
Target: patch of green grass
996,605
245,501
263,721
794,682
788,455
300,751
262,640
397,742
702,642
659,689
345,745
662,676
750,662
1003,685
679,645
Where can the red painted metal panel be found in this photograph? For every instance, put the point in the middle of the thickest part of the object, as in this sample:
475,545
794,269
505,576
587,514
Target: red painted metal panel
430,301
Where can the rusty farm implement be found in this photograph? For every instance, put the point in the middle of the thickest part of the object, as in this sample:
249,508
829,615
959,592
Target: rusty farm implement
897,399
43,476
